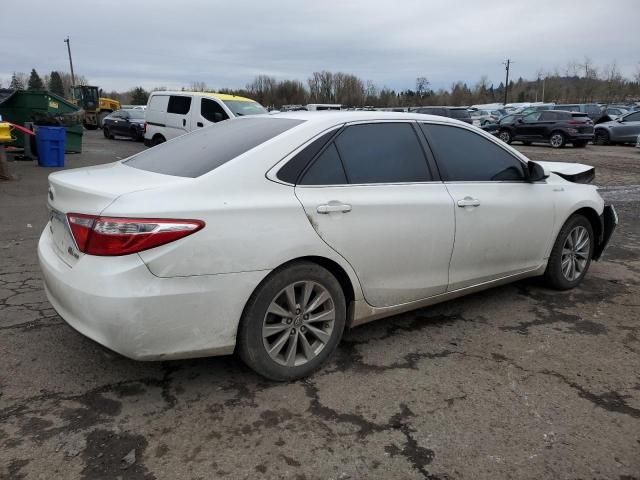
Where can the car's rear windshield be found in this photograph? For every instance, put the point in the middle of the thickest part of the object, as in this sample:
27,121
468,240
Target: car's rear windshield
240,108
201,151
460,113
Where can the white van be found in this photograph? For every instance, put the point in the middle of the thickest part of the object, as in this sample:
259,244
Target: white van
313,107
171,114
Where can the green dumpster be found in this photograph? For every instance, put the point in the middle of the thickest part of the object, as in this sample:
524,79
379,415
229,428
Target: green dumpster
42,108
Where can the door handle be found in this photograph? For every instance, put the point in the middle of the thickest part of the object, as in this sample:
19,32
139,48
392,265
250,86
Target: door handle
334,207
469,202
184,122
200,124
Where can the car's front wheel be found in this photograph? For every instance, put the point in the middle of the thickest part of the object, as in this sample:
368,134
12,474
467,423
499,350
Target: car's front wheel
505,136
293,322
107,133
601,137
571,254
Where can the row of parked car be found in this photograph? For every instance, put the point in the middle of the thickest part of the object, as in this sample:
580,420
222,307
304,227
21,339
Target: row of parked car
170,114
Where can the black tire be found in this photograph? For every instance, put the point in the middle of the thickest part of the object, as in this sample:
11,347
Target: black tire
505,136
157,140
580,144
553,275
133,133
557,139
250,343
107,133
601,137
526,144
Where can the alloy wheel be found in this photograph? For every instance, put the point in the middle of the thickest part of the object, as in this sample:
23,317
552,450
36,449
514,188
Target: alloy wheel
575,253
299,323
556,140
505,136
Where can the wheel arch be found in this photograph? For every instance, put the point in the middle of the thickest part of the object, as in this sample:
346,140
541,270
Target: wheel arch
594,220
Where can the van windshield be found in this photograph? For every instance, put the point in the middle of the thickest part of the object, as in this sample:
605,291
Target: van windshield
201,151
240,108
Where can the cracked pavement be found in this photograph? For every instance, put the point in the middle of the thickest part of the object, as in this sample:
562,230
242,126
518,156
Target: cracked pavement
515,382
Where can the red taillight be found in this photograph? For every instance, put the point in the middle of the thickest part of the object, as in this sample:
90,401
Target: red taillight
109,236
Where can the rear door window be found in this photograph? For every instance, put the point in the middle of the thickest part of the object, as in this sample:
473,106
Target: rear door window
158,103
212,111
326,170
382,153
465,156
203,150
179,104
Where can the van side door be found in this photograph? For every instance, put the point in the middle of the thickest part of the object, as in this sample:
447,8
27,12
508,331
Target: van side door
178,120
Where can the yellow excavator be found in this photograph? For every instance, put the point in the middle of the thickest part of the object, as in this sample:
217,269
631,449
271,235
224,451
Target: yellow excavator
95,107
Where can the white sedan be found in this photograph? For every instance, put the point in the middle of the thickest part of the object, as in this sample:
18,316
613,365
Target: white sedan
269,235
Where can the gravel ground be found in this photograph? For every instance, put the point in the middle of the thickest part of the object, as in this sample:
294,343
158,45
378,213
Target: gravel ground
516,382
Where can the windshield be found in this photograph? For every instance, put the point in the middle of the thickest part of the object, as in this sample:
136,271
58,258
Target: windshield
206,149
136,114
241,108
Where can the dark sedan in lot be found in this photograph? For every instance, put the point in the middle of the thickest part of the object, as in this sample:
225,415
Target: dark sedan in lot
554,127
124,123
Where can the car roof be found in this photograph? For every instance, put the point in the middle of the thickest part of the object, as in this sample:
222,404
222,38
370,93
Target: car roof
219,96
343,116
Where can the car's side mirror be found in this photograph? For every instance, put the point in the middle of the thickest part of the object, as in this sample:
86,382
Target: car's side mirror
519,120
536,172
217,117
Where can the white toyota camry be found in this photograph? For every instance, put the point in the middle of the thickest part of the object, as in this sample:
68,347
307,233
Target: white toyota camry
269,235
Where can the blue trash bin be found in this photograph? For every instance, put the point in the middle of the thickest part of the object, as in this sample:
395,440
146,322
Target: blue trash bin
50,141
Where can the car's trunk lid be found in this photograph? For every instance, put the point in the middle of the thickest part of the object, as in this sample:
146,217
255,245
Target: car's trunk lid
89,191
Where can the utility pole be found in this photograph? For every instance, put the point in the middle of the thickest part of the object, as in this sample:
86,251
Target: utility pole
73,77
507,64
543,79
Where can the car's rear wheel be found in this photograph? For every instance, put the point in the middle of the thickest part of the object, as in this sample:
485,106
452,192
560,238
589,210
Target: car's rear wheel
107,133
293,322
157,140
505,136
133,133
602,137
557,140
580,143
571,254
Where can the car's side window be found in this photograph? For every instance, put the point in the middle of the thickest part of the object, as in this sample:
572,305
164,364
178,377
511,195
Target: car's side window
212,111
290,172
179,104
382,153
547,116
532,117
634,117
326,170
465,156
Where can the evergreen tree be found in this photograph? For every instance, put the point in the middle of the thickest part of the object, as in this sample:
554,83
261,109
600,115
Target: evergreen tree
139,96
35,82
55,84
16,82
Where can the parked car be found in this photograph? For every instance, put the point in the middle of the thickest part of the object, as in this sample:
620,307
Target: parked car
171,114
536,108
624,129
124,123
459,113
592,109
614,112
487,116
269,235
549,126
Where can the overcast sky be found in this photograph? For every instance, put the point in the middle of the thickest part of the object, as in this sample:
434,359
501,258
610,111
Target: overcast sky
118,45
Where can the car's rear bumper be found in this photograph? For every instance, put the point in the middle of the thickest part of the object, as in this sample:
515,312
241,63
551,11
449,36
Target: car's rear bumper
117,302
608,223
